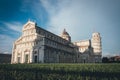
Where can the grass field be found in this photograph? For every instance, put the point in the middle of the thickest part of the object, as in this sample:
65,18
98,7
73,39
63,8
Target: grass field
60,72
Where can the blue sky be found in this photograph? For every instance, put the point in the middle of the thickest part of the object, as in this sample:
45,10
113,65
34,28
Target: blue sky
80,18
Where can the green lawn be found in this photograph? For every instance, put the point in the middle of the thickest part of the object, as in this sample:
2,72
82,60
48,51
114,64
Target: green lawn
60,71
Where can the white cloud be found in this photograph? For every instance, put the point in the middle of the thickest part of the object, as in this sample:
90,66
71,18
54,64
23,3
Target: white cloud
74,15
6,43
16,26
81,18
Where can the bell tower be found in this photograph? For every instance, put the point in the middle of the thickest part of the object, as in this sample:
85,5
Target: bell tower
96,44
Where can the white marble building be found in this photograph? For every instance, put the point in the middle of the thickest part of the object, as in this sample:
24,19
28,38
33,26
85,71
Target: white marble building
37,45
89,50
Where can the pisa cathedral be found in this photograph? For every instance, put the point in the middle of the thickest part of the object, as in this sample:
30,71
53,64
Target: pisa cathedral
37,45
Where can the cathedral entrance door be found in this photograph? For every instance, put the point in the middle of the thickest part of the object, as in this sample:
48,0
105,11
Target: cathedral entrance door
35,59
26,58
84,60
18,59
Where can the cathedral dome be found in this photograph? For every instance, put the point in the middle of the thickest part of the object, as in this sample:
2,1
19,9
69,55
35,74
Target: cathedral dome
65,35
64,32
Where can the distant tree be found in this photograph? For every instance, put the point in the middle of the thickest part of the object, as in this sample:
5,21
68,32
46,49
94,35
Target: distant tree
105,60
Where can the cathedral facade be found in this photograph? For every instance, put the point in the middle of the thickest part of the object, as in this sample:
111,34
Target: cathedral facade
37,45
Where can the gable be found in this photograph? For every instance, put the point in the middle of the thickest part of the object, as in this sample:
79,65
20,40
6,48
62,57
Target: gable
29,25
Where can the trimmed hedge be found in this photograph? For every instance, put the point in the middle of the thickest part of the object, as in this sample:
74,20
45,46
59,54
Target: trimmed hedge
60,71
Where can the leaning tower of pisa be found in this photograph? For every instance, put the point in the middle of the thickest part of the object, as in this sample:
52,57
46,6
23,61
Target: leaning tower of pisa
96,43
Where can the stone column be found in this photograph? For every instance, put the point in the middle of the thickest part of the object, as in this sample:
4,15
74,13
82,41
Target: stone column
23,56
13,54
15,57
31,56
